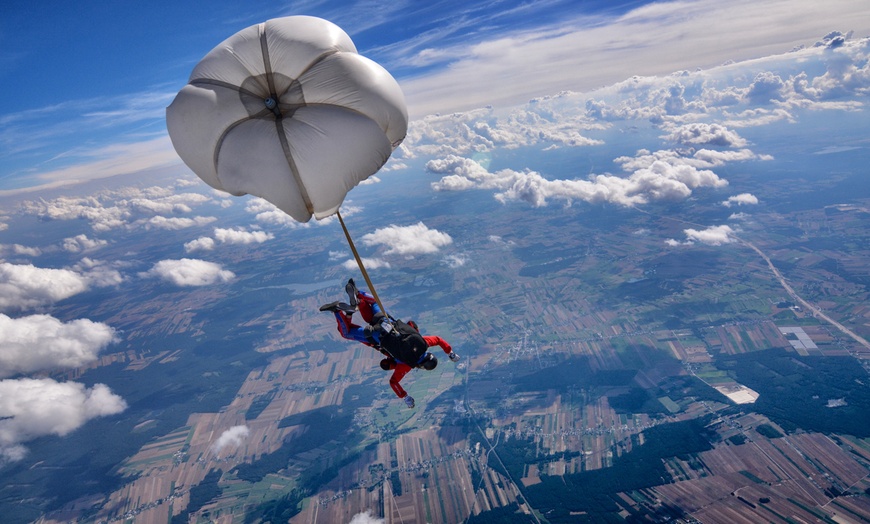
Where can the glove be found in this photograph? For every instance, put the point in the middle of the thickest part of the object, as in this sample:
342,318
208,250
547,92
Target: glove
409,401
453,356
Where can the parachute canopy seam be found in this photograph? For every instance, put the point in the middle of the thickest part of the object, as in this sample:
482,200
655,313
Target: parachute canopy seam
279,124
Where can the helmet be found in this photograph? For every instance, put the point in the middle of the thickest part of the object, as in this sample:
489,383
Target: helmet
429,362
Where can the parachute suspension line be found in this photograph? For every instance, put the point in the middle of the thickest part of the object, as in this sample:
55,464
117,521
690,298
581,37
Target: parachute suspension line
360,263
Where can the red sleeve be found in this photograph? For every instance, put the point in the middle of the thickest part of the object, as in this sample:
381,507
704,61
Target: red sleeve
438,341
399,373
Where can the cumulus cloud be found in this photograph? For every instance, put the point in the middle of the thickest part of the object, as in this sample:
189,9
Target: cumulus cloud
40,342
495,239
227,236
189,272
369,263
741,200
265,212
102,217
705,134
541,122
200,244
371,180
80,243
411,240
27,286
98,273
231,438
653,178
31,408
455,261
767,87
241,236
712,236
366,518
110,209
29,251
176,223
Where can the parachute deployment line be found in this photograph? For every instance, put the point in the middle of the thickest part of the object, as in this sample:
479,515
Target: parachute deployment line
359,262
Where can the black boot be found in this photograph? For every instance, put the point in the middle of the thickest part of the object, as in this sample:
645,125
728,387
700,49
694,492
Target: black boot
351,292
338,306
332,306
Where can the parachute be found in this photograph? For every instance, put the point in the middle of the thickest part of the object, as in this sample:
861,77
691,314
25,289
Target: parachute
288,111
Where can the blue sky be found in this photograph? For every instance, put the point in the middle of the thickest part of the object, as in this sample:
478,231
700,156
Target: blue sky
83,85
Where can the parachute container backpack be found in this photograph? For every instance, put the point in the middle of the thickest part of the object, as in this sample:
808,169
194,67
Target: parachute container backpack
288,111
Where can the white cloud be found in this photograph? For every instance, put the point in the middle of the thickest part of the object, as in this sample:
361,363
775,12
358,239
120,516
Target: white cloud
187,182
712,236
495,239
27,286
371,180
41,342
19,249
175,223
200,244
81,243
366,518
369,263
655,177
408,240
741,199
767,87
233,437
98,273
166,204
102,218
31,408
110,209
544,121
267,213
455,261
705,134
189,272
227,236
241,236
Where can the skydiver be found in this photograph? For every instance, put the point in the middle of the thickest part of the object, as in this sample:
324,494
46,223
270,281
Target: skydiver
401,343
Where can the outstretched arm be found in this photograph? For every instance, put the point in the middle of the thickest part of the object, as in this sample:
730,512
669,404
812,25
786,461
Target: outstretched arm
438,341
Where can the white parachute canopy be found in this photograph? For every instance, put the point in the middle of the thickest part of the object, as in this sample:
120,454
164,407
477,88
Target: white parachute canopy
287,110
